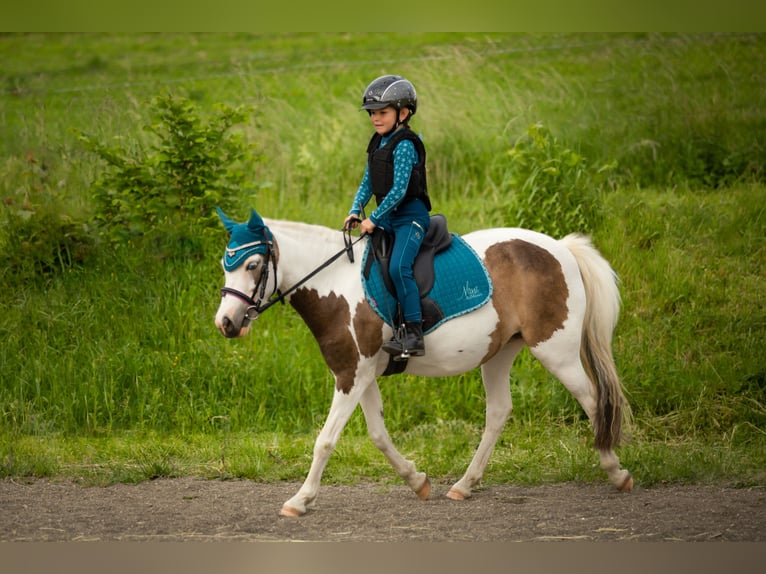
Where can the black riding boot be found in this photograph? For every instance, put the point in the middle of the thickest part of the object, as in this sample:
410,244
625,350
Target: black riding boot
407,342
413,340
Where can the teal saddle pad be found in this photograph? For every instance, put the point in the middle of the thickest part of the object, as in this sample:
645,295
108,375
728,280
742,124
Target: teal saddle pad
461,285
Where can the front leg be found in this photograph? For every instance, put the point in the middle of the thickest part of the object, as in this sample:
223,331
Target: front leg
343,405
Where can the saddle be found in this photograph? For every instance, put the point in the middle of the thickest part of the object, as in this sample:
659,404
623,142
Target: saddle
452,280
437,239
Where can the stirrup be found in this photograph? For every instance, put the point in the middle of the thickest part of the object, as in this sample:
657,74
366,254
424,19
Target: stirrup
403,356
392,347
407,354
396,343
411,341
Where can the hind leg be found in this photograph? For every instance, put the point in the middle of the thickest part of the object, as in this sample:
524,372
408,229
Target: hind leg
495,375
562,359
372,406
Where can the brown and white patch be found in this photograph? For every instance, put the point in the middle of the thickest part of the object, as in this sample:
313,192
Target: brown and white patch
329,320
529,293
368,327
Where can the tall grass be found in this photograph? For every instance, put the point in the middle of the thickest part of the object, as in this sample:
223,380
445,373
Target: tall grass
692,271
101,343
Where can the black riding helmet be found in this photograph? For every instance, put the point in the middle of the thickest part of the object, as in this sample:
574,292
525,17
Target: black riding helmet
390,90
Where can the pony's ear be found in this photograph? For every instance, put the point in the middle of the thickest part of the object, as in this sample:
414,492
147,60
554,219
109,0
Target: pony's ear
227,223
256,222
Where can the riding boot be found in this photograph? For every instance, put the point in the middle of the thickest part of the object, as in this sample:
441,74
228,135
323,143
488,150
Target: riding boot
407,342
394,345
413,340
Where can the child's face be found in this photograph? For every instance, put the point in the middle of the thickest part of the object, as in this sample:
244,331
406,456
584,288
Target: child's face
383,120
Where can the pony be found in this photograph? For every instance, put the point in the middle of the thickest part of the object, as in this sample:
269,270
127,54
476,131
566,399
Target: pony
560,298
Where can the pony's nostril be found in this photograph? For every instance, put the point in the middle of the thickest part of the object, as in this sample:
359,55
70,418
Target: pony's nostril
228,328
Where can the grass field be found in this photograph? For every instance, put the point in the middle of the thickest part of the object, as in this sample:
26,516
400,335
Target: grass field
111,368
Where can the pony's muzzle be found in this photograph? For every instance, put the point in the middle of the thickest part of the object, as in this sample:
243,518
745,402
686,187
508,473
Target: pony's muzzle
226,326
231,330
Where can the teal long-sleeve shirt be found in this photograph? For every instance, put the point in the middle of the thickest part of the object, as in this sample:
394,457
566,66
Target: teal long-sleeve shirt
405,158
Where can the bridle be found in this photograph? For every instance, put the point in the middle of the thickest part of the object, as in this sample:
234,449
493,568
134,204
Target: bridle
255,305
258,306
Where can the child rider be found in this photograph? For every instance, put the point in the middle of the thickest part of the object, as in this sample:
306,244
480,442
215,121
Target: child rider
395,174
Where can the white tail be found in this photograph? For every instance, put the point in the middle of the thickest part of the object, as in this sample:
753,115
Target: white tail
602,310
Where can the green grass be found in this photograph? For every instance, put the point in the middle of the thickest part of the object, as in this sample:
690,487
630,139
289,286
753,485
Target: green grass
110,366
528,452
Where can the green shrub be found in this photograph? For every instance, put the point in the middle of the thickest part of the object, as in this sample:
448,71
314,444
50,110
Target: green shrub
552,188
164,193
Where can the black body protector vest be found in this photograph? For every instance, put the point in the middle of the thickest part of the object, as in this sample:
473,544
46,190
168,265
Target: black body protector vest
380,162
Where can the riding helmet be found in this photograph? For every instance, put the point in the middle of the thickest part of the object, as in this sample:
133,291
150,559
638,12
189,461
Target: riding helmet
390,90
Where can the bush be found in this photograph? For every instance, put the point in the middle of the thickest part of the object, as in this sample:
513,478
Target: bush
552,188
165,194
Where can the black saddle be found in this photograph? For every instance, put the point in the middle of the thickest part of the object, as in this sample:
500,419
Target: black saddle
437,239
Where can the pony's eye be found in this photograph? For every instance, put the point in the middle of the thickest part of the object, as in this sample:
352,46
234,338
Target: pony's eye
253,265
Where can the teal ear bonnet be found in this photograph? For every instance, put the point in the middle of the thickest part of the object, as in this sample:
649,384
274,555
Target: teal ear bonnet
246,239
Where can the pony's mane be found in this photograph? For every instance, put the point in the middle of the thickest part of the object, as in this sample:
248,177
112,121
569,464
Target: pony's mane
299,227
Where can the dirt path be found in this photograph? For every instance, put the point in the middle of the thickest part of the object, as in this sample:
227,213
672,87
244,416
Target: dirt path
195,509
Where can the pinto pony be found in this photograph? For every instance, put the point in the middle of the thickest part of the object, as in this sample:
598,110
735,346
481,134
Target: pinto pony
558,297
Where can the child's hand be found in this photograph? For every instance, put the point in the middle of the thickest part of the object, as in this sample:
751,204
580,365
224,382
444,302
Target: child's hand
351,222
367,227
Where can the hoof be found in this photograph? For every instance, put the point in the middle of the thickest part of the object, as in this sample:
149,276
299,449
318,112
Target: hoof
627,485
455,494
290,512
424,492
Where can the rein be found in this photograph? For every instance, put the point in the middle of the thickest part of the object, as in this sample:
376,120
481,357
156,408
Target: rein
255,305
